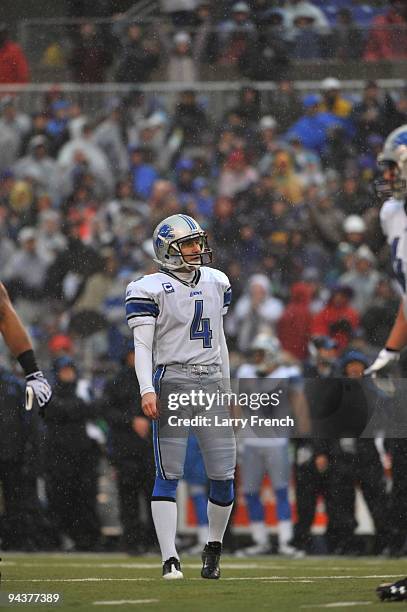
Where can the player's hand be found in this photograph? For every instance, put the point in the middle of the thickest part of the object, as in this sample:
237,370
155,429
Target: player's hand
384,358
141,426
149,405
40,386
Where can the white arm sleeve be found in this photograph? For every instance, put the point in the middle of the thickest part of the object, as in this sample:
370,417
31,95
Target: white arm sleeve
224,355
143,351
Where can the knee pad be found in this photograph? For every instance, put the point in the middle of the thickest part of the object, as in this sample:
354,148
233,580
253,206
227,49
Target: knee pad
283,504
254,507
164,490
221,492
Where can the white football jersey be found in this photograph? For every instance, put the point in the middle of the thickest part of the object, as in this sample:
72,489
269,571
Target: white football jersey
393,220
187,316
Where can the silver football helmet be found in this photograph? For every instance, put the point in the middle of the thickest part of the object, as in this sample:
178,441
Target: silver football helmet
271,348
168,237
393,160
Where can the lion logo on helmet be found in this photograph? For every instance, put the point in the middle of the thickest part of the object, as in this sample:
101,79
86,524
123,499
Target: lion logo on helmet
166,231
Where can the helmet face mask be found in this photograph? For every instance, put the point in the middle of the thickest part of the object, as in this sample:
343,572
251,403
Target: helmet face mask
171,234
393,163
391,183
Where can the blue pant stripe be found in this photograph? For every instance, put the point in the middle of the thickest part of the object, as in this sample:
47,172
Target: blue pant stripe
157,454
157,377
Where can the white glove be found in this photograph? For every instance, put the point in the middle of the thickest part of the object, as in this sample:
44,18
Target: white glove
40,386
383,359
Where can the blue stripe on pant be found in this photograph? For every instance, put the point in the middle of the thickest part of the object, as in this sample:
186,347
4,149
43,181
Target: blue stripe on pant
157,377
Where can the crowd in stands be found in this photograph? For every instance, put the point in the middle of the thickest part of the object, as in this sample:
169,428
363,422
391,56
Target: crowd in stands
283,184
258,40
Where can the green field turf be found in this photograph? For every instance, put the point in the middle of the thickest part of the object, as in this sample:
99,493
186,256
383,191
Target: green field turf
262,583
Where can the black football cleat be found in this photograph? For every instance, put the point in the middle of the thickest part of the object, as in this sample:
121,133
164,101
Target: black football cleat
393,591
210,560
172,569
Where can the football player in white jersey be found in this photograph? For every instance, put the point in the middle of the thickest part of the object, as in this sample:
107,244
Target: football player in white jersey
270,455
393,217
176,316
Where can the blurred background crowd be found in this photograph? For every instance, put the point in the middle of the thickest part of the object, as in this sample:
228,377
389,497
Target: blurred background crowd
280,177
192,40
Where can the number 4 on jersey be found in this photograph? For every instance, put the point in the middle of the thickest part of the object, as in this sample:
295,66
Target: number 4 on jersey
200,327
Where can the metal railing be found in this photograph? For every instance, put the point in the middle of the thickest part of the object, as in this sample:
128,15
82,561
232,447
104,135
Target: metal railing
217,97
48,43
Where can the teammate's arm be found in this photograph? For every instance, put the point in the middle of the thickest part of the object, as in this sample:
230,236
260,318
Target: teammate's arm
17,340
11,327
395,342
143,353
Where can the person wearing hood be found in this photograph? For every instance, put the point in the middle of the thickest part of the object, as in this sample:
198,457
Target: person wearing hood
13,62
71,458
313,126
294,327
285,179
362,279
94,156
237,174
297,8
37,164
256,311
387,35
109,137
337,312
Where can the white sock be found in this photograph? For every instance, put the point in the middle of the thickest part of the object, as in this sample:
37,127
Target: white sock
202,533
285,532
259,532
165,523
218,517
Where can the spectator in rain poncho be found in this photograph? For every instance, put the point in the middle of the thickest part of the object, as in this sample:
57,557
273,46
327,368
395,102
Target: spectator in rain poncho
96,160
37,164
255,312
294,327
109,137
13,128
362,279
237,174
311,129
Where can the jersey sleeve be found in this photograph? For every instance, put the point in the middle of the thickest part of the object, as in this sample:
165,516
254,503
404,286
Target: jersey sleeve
226,289
227,298
387,212
141,305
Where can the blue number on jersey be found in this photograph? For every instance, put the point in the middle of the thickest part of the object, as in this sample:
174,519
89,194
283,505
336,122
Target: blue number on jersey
200,328
398,264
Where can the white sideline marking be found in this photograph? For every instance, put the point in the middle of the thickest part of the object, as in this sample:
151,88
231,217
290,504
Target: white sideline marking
154,565
121,602
339,604
269,578
237,566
